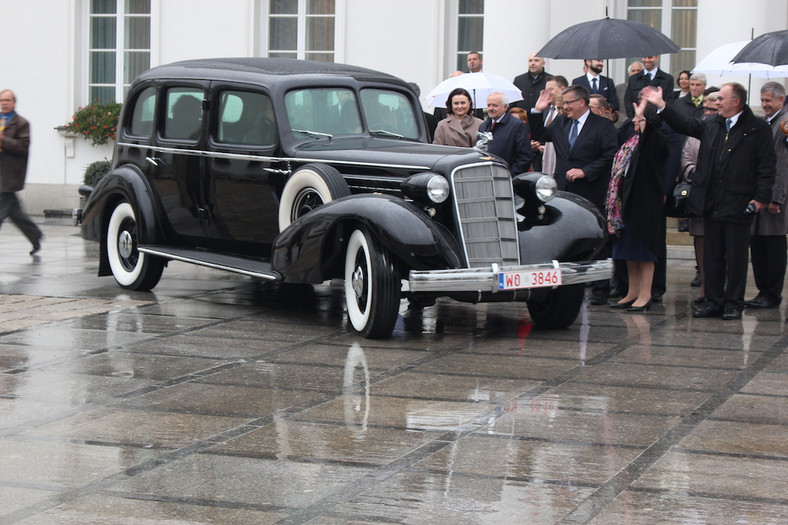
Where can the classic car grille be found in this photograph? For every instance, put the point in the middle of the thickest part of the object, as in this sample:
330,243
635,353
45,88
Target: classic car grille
485,208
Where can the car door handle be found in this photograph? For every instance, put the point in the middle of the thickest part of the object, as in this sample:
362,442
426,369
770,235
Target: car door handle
156,161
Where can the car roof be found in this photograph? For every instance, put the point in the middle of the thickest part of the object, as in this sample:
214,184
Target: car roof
256,68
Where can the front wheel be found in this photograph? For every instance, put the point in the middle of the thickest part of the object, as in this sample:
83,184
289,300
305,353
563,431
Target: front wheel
132,270
372,287
559,309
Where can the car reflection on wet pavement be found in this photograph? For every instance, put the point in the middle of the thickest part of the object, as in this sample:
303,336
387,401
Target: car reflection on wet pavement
215,399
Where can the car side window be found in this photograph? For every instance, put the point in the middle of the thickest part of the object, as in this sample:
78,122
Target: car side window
184,113
142,116
323,110
387,111
246,118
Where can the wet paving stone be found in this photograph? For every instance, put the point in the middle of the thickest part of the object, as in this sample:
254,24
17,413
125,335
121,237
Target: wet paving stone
218,399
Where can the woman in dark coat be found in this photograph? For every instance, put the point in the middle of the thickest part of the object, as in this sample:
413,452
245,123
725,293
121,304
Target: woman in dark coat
634,206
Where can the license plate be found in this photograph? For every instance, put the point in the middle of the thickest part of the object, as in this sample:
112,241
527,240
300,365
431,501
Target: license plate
529,279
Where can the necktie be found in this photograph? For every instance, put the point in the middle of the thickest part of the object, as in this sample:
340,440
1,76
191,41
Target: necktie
550,115
573,134
594,87
697,101
3,120
728,124
492,126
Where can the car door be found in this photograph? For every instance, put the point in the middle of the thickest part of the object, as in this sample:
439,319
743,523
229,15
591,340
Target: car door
177,164
244,175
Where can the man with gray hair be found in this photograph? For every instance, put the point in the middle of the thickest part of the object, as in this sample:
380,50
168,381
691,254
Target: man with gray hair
692,105
768,242
511,136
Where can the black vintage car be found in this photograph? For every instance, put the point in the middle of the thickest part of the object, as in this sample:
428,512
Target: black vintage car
300,172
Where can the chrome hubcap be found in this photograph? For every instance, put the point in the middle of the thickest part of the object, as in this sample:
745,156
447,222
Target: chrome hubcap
125,244
358,281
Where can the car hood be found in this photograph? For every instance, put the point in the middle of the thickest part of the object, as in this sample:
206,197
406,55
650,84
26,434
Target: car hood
389,152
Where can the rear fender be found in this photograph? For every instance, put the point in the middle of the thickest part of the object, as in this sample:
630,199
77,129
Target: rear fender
312,248
126,183
576,231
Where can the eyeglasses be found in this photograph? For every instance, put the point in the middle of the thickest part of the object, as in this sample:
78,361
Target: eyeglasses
712,110
567,102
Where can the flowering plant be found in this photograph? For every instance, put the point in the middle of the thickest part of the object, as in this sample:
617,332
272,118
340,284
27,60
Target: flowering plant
96,122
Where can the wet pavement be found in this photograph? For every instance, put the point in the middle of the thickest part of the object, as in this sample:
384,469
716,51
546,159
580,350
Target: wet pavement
216,399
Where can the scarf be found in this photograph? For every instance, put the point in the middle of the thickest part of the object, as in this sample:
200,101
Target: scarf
615,223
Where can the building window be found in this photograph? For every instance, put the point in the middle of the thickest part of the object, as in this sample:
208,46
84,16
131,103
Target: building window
119,46
302,29
676,18
470,30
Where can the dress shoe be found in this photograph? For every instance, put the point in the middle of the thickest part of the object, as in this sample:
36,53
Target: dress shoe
696,282
622,306
761,301
731,313
36,248
700,299
707,311
615,293
656,297
643,308
598,298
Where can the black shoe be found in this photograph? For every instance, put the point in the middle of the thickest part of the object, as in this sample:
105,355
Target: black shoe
708,311
731,313
36,248
656,297
643,308
598,299
622,305
615,293
700,299
761,301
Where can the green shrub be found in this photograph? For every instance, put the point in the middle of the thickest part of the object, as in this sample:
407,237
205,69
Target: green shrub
95,171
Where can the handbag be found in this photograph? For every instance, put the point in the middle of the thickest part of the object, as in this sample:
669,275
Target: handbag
677,204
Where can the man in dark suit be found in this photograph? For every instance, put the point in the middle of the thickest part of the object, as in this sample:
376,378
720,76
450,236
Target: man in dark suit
532,82
652,76
511,136
14,146
598,84
585,144
733,180
691,105
768,244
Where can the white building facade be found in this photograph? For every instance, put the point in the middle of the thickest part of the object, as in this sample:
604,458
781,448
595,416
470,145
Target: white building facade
62,54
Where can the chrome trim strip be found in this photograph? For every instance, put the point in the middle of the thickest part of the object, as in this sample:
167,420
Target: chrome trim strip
238,156
486,279
198,262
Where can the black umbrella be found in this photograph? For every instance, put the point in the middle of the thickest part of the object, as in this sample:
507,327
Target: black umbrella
771,48
608,38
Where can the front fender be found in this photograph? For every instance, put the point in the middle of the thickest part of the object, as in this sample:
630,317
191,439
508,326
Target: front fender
576,232
312,248
126,183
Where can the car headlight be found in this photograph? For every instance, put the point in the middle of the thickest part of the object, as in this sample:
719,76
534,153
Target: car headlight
437,189
427,186
545,188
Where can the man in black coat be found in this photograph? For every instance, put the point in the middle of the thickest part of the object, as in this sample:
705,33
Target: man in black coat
584,155
604,85
733,180
652,76
511,136
532,82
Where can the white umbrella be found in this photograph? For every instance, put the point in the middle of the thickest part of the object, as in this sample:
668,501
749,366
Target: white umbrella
719,62
479,85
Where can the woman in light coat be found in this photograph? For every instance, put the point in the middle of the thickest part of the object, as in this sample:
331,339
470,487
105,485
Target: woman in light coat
460,126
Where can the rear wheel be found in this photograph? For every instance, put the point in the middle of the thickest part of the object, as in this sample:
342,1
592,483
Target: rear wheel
309,187
559,309
132,270
372,287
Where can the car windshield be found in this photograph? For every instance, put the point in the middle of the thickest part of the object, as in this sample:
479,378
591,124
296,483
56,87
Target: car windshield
325,112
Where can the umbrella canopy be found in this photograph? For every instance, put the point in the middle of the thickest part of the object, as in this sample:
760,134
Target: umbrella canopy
771,48
608,38
479,85
720,62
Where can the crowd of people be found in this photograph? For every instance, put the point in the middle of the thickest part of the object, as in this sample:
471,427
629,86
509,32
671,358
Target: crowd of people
625,147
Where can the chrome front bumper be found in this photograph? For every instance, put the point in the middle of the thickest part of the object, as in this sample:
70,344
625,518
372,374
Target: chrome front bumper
487,279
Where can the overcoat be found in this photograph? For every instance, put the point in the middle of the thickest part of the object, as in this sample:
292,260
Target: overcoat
13,157
777,224
452,131
730,173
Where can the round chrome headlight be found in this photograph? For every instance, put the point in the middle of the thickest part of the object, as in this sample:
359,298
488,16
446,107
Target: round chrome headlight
545,188
437,189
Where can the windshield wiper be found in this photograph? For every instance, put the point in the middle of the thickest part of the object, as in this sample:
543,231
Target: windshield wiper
315,134
386,133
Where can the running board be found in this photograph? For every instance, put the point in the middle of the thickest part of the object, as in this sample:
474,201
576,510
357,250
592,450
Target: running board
229,263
